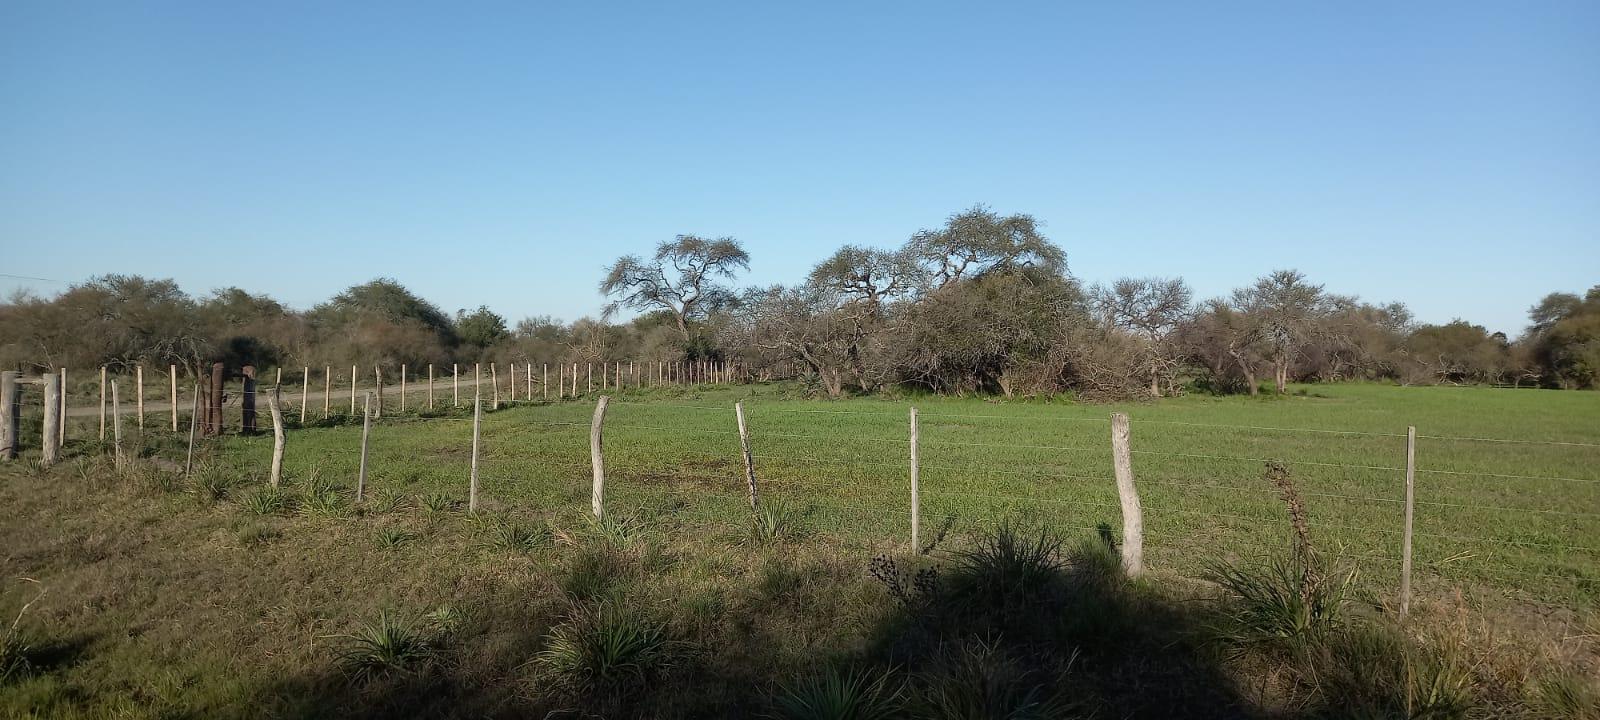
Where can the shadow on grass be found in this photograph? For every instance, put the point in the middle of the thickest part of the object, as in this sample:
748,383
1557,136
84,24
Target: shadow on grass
1017,627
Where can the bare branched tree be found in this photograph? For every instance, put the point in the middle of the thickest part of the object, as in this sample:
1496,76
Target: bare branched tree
1153,309
681,278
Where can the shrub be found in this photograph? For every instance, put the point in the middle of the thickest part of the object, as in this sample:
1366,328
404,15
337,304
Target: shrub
606,647
319,496
836,695
387,647
1375,671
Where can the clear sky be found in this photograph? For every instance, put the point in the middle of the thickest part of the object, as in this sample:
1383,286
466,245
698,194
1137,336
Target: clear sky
1446,154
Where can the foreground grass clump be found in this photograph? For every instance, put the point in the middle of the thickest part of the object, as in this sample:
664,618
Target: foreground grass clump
606,647
842,695
384,648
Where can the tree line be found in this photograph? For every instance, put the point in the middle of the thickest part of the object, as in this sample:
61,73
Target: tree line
984,303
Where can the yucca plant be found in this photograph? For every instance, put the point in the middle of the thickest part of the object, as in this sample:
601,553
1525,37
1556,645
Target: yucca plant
773,521
387,647
393,538
605,646
979,682
437,503
616,530
1009,567
267,501
516,537
841,695
319,496
386,501
211,483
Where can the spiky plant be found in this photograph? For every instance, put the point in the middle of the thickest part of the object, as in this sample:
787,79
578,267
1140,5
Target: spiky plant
841,695
1010,567
438,503
516,537
211,483
267,501
319,496
617,530
773,521
605,646
388,647
977,681
393,538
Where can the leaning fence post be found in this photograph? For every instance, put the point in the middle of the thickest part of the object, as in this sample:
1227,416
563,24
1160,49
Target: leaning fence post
51,445
472,487
916,488
366,431
1405,539
749,462
1132,514
597,457
273,406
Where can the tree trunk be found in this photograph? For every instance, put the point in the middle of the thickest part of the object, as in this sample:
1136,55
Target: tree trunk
1155,379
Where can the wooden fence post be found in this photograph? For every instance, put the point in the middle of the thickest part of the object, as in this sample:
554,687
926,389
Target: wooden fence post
511,382
366,432
589,374
377,376
63,425
138,390
274,407
102,403
597,458
527,387
1132,514
194,422
749,461
116,427
916,485
247,402
353,383
1405,539
327,389
472,487
494,385
402,387
10,414
544,381
455,383
172,374
430,386
51,442
305,391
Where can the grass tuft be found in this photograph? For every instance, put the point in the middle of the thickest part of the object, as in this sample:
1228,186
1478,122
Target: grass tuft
382,649
606,647
841,695
514,537
267,501
393,538
773,521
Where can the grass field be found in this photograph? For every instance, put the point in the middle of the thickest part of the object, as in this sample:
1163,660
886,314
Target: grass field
173,599
1519,518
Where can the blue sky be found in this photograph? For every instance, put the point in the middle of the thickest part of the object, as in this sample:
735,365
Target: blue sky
1444,154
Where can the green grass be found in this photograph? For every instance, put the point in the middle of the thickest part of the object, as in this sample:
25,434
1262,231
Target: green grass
161,606
841,468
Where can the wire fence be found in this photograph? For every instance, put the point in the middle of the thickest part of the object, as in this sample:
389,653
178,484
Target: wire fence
1516,515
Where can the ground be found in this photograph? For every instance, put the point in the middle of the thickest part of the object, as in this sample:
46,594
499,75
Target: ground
166,597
